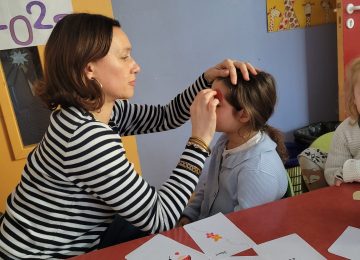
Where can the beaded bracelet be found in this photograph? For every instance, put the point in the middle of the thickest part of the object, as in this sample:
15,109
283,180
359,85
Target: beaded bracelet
189,167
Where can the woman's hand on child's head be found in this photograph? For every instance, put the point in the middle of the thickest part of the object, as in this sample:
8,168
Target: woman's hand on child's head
183,221
228,67
203,115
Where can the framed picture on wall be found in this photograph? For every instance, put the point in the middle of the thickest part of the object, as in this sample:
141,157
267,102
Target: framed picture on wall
26,117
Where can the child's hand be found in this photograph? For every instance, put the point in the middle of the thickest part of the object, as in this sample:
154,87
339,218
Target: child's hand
338,182
183,221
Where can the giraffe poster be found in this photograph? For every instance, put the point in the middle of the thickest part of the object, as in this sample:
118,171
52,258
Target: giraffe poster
291,14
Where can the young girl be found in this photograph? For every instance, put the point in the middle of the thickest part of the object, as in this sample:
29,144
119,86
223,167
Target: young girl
246,167
344,155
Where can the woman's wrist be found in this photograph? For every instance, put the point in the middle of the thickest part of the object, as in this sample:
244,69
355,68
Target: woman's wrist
199,143
207,78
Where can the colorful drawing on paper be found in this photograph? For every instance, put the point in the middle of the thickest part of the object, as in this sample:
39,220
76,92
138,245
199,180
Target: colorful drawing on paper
170,250
179,256
291,14
215,237
220,240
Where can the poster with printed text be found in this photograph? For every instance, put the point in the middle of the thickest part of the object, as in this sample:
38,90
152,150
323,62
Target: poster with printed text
25,23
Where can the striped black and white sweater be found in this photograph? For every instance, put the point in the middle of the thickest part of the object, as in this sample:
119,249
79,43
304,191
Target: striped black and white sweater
78,178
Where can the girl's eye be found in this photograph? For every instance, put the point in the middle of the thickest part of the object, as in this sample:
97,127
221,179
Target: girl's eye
125,57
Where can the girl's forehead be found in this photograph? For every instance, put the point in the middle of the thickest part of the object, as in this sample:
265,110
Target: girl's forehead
217,83
219,95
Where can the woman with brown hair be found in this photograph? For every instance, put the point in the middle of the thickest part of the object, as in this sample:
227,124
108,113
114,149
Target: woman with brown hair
78,191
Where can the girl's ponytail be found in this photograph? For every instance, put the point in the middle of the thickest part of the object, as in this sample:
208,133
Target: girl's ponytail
278,137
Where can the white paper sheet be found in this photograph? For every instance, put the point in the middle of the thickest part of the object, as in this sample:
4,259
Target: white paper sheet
348,244
218,237
291,247
163,248
241,258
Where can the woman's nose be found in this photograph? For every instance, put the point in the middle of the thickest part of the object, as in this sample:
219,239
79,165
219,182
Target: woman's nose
136,67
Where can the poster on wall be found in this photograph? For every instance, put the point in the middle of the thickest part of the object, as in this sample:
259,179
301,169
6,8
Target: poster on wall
25,23
291,14
22,68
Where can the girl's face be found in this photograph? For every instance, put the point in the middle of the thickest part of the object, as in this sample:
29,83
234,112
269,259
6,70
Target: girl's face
357,94
227,118
117,70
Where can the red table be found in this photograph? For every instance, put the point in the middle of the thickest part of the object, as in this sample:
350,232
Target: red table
319,217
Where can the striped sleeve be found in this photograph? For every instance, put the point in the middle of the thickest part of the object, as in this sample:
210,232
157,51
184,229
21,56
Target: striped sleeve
96,162
132,119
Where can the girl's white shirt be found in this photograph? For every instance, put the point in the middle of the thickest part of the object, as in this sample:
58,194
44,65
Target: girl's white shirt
251,142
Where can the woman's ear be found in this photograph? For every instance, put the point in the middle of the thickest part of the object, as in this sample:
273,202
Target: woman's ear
89,70
243,116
